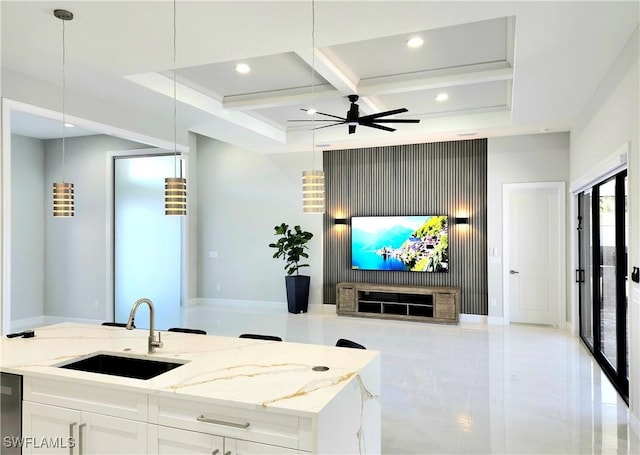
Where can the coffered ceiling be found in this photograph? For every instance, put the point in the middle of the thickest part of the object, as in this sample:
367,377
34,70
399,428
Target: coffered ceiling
506,67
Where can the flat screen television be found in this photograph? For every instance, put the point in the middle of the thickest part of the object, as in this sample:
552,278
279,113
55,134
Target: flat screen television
409,243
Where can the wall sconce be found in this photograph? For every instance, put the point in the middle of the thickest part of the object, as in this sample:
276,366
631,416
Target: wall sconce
340,221
461,220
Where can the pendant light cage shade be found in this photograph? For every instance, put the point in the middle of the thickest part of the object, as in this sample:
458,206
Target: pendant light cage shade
175,196
313,191
313,181
63,199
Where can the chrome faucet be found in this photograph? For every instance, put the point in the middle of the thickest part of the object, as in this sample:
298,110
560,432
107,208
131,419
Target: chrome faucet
153,343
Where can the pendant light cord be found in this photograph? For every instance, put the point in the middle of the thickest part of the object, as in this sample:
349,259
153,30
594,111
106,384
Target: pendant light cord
175,133
64,95
313,77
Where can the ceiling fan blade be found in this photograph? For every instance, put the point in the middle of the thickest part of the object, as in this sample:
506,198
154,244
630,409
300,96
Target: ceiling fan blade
327,126
383,114
352,129
316,120
380,127
397,120
328,115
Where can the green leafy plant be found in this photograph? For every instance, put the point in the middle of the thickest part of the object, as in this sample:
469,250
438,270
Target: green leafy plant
291,247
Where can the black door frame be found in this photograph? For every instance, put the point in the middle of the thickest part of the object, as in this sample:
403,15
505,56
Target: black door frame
617,376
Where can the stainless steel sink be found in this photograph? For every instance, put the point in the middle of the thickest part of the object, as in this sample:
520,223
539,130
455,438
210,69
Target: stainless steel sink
126,366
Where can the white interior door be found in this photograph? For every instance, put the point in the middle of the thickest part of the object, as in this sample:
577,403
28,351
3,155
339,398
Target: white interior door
147,243
535,247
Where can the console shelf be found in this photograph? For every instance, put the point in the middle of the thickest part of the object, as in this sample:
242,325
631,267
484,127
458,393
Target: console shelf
415,303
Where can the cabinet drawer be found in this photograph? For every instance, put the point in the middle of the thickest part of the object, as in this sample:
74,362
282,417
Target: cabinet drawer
253,425
101,400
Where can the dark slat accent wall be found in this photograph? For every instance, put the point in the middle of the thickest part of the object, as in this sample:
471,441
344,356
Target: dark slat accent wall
444,178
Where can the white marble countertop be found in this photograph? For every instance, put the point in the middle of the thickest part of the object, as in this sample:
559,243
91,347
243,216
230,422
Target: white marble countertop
220,370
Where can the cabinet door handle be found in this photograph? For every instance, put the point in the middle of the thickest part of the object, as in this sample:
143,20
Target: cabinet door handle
228,452
513,272
80,428
215,452
202,418
71,445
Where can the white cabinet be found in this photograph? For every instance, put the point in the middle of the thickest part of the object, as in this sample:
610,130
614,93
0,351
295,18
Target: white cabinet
245,430
112,435
64,417
52,428
56,429
168,440
255,448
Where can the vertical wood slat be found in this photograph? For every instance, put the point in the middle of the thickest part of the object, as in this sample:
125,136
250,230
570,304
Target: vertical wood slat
444,178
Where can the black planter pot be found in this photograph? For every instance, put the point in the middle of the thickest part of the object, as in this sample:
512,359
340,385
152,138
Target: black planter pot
297,293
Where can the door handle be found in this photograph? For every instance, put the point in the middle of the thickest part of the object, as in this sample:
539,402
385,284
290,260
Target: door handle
202,418
513,272
80,445
71,445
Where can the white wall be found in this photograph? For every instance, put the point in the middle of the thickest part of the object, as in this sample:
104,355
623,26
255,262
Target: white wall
76,248
609,121
242,196
517,159
27,227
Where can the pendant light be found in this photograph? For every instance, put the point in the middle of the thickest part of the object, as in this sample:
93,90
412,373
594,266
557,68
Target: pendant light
313,180
63,197
175,188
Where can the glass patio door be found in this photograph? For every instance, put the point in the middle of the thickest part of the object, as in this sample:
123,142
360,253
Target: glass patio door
147,243
602,277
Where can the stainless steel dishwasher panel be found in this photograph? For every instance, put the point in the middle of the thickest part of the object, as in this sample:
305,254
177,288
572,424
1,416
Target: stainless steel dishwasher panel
10,413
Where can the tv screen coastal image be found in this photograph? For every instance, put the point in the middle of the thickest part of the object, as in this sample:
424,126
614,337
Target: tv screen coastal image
409,243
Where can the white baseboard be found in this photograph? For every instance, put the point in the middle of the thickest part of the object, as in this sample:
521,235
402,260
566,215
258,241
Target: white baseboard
39,321
322,308
26,323
261,305
58,319
243,305
634,423
474,318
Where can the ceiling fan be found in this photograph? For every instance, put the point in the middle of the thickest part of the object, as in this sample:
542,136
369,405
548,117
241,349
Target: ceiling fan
353,118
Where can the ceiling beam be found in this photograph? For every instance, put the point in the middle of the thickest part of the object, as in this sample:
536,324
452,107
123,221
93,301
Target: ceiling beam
448,77
369,88
277,98
194,98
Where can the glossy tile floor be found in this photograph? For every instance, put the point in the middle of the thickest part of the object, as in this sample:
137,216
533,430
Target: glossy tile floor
470,388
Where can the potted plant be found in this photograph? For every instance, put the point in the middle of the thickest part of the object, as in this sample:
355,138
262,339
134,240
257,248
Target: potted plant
291,247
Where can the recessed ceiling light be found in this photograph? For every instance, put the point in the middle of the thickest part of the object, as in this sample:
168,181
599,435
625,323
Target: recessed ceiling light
242,68
442,97
69,125
415,42
311,111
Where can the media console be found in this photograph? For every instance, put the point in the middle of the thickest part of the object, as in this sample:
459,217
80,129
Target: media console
415,303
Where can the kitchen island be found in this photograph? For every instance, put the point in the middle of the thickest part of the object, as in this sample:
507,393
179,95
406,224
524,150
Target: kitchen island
231,396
